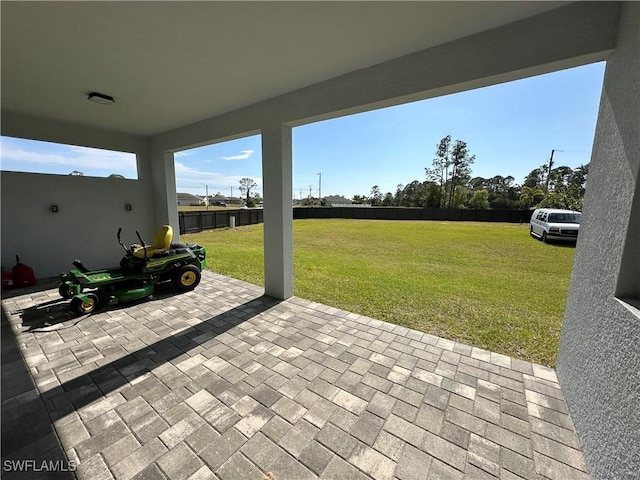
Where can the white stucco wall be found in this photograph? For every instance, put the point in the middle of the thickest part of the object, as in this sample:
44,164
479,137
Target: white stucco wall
599,358
90,212
90,209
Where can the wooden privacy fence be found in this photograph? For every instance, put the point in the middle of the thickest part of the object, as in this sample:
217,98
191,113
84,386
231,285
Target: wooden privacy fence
192,222
408,213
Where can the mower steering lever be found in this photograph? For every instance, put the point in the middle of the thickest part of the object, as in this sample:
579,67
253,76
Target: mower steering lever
144,246
120,241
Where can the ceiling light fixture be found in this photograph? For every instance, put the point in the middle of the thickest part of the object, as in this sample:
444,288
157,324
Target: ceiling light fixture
100,98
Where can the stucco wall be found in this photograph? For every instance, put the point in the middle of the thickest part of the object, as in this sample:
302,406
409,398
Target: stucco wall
90,209
90,212
599,358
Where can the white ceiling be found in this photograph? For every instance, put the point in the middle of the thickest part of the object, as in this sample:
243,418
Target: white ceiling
169,64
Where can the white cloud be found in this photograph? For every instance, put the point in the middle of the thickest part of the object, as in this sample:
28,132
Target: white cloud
190,178
80,158
243,156
185,173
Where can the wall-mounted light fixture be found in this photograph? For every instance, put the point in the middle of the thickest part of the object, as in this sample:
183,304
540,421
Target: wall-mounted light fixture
54,209
100,98
128,207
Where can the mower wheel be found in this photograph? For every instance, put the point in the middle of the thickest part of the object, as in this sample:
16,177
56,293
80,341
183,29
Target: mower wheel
64,291
81,308
186,278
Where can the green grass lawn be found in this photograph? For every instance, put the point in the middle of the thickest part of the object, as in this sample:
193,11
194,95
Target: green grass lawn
485,284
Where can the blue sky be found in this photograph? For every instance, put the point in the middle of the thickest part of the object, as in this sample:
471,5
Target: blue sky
511,129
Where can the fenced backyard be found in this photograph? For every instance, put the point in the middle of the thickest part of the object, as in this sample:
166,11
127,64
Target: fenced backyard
486,284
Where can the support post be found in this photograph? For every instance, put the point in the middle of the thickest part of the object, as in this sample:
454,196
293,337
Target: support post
163,175
278,210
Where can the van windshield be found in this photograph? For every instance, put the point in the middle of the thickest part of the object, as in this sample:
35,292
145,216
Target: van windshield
564,217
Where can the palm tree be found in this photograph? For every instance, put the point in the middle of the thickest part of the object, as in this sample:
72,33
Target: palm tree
529,195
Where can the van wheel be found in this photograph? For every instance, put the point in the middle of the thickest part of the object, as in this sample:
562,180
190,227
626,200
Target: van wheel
544,237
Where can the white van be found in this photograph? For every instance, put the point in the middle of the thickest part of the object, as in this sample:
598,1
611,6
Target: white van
554,224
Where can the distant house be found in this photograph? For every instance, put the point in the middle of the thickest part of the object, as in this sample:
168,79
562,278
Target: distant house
188,199
218,197
337,201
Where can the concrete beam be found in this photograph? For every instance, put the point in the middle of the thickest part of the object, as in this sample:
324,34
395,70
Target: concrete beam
580,33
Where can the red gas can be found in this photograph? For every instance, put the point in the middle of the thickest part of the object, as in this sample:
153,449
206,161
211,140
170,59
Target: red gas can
23,275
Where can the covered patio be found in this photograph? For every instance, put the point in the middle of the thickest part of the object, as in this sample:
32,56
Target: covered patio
205,370
226,383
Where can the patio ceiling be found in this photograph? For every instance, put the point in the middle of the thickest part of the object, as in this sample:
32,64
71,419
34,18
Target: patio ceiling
170,64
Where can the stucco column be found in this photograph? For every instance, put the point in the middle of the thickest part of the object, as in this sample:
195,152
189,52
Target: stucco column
163,176
278,211
599,355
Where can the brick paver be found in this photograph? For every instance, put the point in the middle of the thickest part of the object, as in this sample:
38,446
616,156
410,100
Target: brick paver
224,383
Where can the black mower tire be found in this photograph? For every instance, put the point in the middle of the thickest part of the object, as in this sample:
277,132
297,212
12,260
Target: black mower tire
64,292
81,308
186,278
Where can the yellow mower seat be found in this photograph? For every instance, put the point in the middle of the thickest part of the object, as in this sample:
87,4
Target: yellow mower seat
161,243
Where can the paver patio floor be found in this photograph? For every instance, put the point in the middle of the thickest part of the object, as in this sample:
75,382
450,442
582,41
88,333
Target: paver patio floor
224,383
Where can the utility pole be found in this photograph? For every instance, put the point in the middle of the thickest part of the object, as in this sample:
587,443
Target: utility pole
310,187
206,201
231,197
320,188
546,185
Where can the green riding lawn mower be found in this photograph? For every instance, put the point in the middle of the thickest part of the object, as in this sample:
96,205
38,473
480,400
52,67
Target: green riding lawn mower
141,269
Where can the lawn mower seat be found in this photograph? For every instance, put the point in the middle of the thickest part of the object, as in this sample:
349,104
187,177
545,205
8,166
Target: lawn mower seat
161,243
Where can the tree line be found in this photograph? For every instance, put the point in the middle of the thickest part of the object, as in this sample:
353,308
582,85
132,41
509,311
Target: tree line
449,184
